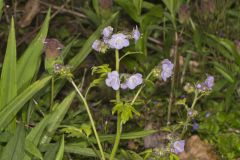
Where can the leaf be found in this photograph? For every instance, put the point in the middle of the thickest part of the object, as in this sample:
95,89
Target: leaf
61,150
88,152
14,149
224,72
1,7
32,149
57,116
36,133
131,8
51,152
10,111
228,45
28,64
130,135
8,88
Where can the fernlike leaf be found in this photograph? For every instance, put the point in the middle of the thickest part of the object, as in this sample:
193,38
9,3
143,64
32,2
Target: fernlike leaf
9,112
14,149
28,64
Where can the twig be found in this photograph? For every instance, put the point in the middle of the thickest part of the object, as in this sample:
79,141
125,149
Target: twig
63,9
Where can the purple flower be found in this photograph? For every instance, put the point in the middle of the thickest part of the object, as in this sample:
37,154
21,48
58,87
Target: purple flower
118,41
124,85
113,80
134,80
208,114
97,45
167,68
178,146
136,34
107,31
209,82
195,126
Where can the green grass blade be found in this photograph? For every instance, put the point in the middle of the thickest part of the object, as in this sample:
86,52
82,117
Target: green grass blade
10,111
32,149
1,7
14,149
88,152
28,64
131,135
57,116
8,77
61,150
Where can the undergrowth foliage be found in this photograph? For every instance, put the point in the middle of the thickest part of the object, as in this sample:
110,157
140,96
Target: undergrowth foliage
154,64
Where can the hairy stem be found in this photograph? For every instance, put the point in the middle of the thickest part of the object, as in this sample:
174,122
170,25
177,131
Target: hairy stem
91,119
119,121
185,127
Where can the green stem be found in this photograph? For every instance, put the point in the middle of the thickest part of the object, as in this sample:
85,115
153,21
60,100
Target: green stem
52,94
173,83
185,127
119,121
91,119
140,89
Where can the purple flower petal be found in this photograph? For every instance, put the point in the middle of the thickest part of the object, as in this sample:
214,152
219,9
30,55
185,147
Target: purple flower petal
136,34
209,82
178,146
97,45
134,80
113,80
107,31
167,69
118,41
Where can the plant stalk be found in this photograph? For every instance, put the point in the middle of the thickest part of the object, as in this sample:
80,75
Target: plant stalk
91,119
119,121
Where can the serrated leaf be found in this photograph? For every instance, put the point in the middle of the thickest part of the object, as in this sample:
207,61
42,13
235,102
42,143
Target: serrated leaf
10,111
14,149
29,63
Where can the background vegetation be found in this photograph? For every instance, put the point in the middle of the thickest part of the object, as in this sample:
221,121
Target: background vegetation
201,37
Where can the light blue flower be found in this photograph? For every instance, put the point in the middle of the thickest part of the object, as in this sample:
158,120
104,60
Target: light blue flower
134,80
107,31
113,80
136,34
97,45
209,82
167,69
178,146
118,41
124,85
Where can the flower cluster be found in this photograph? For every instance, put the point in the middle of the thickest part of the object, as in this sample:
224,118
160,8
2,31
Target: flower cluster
115,41
207,85
113,80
